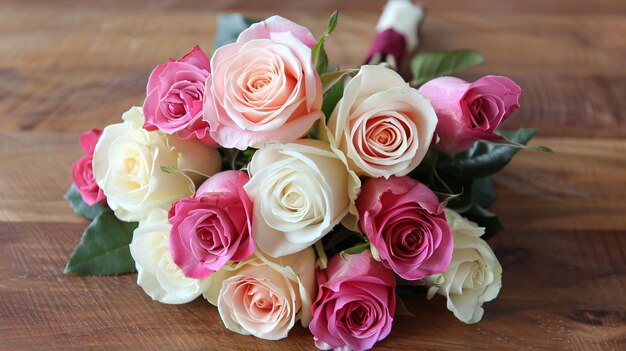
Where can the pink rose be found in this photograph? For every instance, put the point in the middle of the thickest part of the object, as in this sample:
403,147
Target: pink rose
355,303
470,111
82,170
264,88
213,227
406,224
174,99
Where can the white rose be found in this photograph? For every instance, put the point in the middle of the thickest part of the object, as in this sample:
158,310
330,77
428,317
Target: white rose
127,166
382,125
300,192
158,275
264,296
474,275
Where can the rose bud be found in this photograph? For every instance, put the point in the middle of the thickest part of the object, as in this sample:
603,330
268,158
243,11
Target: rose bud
469,112
82,170
212,227
406,224
396,33
174,97
355,304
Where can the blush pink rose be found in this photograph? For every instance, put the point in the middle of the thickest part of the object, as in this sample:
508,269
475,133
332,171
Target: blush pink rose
355,303
469,112
406,224
263,88
82,170
174,97
212,227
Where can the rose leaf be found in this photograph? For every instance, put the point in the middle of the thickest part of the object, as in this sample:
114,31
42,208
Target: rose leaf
103,249
81,207
229,26
432,64
318,53
485,158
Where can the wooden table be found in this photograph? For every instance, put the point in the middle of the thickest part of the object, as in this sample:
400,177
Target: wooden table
68,66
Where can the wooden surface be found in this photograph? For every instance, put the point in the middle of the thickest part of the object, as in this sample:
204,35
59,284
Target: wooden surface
67,66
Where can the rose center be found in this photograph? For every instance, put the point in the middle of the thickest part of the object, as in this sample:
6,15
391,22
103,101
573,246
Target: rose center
167,265
261,303
131,164
357,317
384,136
482,111
208,235
259,82
478,274
176,109
292,199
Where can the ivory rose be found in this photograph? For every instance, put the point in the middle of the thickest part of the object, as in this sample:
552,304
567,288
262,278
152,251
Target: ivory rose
263,88
474,275
355,304
158,275
406,224
82,170
300,192
174,97
382,125
263,296
127,166
212,227
468,112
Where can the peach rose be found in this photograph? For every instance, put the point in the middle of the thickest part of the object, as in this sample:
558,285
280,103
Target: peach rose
263,296
263,88
382,125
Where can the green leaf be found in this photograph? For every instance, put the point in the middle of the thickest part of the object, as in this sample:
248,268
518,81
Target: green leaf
486,158
356,249
170,170
331,99
483,193
330,79
318,53
81,207
429,65
229,26
332,22
103,249
505,139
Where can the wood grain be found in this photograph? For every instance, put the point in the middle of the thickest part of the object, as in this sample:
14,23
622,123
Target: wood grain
67,66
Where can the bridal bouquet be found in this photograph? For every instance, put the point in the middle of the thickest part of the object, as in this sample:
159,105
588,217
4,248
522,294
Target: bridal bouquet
283,189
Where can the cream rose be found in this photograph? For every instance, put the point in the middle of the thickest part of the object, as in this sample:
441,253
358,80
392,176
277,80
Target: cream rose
127,166
158,275
265,297
300,192
474,275
382,125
